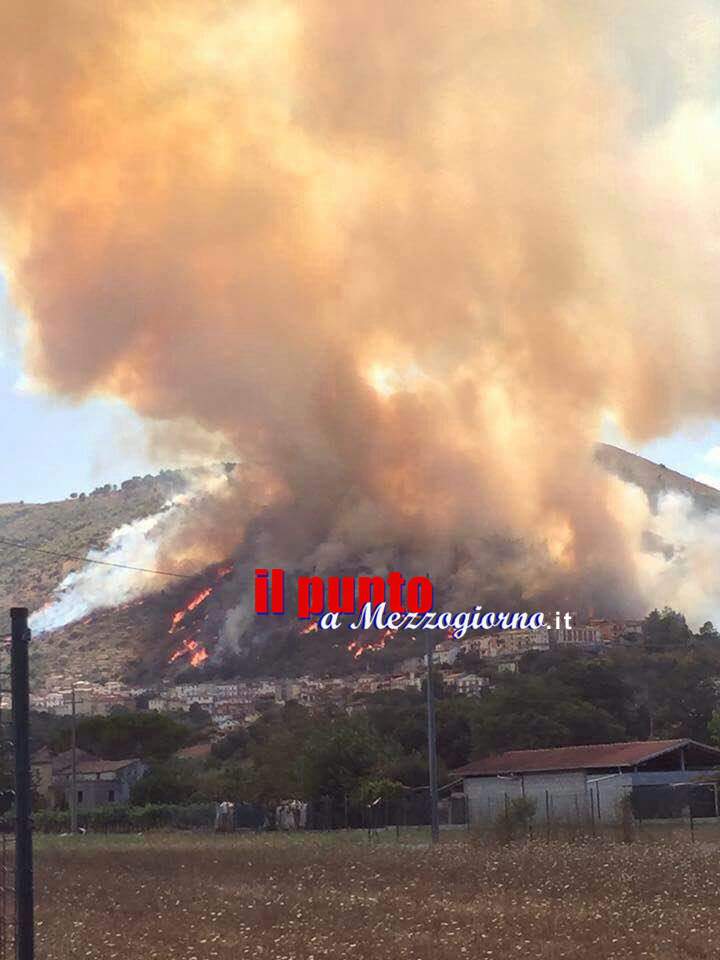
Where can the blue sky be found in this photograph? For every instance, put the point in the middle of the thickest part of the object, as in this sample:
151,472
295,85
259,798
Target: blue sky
52,447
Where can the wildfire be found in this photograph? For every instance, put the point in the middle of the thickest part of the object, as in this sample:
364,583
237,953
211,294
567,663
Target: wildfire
191,648
193,604
357,648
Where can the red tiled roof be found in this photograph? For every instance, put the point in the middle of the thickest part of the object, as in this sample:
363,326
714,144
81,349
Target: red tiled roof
197,751
104,766
100,766
593,756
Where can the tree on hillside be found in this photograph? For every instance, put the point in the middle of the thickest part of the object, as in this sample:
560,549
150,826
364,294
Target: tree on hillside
708,633
531,712
666,629
123,735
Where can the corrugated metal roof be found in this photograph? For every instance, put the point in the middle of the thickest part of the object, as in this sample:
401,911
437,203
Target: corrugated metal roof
592,756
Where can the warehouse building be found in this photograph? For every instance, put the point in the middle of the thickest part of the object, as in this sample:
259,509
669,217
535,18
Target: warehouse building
663,778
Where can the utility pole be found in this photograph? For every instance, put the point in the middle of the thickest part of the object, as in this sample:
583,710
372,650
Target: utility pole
24,930
73,776
432,744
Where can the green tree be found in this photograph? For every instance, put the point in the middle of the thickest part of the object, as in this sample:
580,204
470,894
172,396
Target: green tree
123,735
708,633
666,629
337,758
173,782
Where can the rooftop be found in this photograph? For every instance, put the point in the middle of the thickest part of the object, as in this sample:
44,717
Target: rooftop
592,756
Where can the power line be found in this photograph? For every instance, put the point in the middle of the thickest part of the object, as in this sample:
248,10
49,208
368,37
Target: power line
105,563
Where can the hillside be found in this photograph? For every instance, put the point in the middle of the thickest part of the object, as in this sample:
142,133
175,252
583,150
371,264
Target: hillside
71,526
655,478
132,643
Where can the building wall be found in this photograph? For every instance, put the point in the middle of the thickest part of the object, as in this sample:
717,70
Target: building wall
96,793
564,795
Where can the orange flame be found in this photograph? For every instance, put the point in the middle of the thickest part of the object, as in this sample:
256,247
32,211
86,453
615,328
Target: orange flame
198,657
195,602
311,628
198,653
357,648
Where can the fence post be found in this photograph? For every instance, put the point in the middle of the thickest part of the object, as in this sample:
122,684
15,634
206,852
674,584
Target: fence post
24,934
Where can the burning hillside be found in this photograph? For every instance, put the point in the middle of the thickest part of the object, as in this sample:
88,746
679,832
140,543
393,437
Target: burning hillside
172,625
404,286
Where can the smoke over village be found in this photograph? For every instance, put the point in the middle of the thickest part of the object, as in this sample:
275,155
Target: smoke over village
317,318
402,291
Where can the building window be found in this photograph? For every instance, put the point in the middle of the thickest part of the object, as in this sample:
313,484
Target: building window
111,796
79,799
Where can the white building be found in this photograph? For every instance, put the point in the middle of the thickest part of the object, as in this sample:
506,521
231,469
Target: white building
576,637
583,783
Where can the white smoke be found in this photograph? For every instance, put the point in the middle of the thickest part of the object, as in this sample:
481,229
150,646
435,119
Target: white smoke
676,549
139,545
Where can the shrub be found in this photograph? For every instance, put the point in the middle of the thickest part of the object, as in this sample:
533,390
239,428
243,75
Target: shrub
515,822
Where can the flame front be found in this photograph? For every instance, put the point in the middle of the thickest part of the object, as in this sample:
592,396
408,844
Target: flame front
357,648
180,615
191,648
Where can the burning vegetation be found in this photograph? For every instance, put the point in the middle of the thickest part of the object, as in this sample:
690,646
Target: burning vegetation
190,648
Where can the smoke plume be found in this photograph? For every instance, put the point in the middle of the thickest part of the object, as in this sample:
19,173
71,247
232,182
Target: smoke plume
404,257
119,573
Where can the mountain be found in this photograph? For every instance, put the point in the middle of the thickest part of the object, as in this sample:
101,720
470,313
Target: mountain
132,642
655,478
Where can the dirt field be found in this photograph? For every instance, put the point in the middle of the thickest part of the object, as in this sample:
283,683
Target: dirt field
161,897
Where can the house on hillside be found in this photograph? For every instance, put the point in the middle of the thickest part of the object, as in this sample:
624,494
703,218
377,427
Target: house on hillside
663,778
45,766
99,782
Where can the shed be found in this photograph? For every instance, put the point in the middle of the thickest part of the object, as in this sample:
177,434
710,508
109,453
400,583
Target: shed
587,781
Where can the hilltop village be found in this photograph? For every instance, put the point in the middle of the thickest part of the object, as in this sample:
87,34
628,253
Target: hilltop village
469,666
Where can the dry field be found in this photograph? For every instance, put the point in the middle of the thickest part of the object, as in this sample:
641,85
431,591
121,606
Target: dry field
162,897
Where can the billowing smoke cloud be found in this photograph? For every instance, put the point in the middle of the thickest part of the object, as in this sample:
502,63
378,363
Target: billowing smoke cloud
403,256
